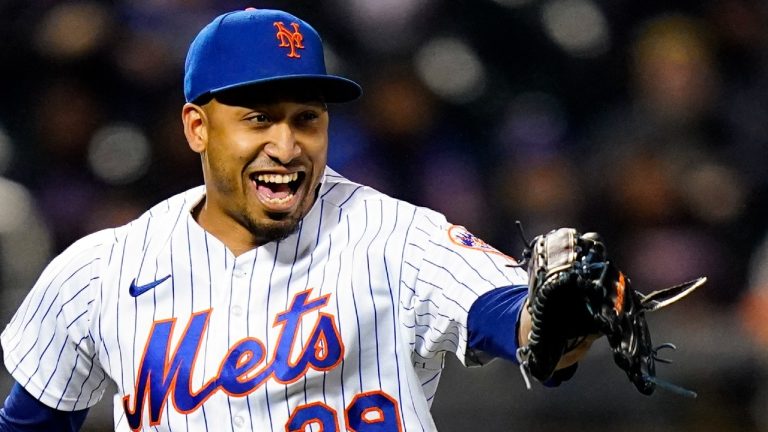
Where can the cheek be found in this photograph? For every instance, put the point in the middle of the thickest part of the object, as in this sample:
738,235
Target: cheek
223,170
319,157
217,176
318,152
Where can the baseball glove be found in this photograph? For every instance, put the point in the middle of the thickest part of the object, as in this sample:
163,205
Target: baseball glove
575,292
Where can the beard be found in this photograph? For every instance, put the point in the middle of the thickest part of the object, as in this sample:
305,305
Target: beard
278,228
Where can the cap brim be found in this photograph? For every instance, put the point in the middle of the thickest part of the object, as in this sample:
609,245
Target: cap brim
333,89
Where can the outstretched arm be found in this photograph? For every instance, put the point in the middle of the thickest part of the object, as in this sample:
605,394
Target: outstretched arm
496,312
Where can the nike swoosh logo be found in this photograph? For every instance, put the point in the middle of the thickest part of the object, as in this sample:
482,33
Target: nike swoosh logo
137,290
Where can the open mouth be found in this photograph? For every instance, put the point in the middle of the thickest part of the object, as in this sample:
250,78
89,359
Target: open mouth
278,189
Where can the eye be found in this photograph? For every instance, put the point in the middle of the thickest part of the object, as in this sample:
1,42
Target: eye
258,118
308,116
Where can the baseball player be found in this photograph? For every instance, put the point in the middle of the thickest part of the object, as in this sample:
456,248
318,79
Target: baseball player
278,296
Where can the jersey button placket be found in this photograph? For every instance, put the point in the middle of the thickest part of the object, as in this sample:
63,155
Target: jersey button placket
237,310
238,421
240,273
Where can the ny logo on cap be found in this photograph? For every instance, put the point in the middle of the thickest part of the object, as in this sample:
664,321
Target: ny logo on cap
288,39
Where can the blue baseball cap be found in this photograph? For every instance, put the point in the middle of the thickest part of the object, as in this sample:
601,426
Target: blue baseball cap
260,47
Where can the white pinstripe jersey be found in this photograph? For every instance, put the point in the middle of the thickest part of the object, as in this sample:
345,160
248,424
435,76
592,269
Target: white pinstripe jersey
341,326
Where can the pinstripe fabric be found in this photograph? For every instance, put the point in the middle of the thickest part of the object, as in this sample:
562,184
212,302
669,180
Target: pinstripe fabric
388,276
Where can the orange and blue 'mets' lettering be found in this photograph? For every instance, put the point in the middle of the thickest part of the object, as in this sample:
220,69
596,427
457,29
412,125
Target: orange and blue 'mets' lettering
161,375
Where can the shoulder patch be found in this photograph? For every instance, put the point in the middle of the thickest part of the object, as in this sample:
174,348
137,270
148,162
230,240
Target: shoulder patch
460,236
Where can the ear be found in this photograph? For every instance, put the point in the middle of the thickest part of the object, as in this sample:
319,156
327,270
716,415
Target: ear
195,127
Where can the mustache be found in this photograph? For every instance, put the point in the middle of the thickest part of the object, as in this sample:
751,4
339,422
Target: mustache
267,163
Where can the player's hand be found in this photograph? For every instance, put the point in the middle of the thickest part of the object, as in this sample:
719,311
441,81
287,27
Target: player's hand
576,294
578,352
570,358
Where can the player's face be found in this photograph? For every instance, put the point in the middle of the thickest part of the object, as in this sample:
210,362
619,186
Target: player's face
262,163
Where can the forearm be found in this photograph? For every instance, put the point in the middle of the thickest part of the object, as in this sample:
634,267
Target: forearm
493,322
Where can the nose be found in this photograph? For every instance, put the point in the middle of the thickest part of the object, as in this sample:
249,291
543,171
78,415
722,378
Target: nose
282,145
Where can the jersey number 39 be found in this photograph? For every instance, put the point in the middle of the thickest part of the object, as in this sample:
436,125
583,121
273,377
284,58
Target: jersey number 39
368,412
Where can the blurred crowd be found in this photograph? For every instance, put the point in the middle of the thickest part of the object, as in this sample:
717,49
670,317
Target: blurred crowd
644,121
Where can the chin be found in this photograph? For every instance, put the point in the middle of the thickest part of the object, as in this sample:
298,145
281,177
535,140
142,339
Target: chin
275,229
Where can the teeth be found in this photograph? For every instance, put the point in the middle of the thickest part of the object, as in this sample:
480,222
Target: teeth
279,200
277,178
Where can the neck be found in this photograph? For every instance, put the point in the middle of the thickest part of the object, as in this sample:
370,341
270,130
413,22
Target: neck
235,236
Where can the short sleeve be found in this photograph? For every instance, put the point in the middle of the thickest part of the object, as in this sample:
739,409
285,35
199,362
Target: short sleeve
48,346
446,269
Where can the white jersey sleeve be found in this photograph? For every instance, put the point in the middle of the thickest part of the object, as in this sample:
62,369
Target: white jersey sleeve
446,269
48,346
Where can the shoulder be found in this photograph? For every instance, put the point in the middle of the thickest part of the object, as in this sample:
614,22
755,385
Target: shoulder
176,203
96,250
341,192
351,198
346,194
160,219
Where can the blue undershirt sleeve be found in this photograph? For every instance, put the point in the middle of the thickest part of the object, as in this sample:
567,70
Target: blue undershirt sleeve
23,413
493,321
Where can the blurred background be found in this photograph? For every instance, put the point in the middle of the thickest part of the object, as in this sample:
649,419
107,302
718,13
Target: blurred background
644,121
